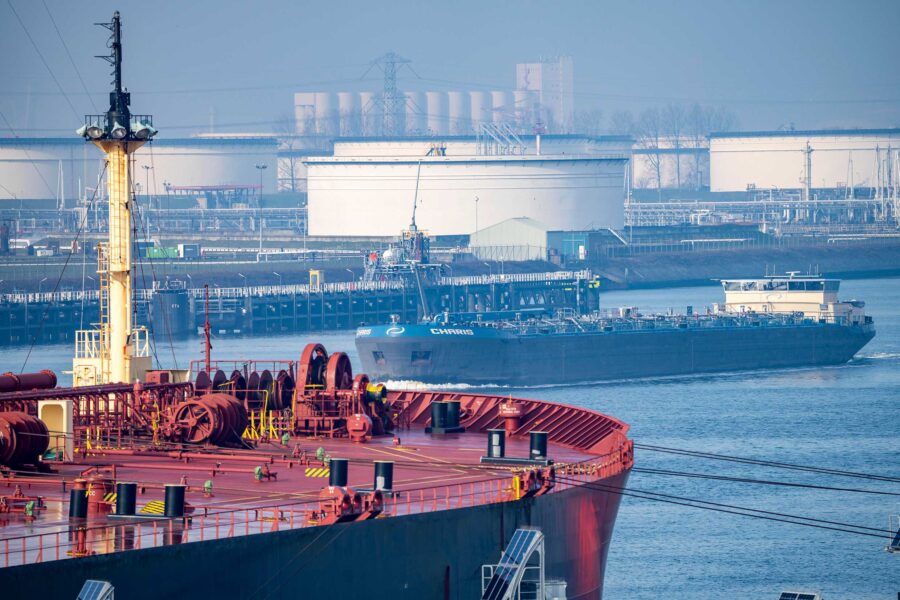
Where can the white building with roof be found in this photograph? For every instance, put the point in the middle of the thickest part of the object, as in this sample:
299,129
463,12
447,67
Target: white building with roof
367,187
784,160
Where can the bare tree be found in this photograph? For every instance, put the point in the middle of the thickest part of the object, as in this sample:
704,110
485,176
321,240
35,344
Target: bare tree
589,122
286,129
649,133
700,122
622,122
675,122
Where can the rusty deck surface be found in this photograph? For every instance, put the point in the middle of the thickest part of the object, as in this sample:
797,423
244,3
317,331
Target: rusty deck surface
430,473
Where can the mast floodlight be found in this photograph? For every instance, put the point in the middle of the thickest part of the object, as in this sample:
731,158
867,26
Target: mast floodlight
118,131
142,130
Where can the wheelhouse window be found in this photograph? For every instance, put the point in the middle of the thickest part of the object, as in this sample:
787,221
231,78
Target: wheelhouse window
421,357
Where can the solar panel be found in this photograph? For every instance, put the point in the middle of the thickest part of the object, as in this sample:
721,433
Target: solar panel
96,590
806,597
788,596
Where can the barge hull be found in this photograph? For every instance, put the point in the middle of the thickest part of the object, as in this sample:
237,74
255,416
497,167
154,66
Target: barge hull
482,356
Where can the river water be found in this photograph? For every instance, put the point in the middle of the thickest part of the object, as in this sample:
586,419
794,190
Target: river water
845,417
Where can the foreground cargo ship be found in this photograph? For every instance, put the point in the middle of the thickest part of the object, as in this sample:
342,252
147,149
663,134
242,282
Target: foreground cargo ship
772,322
284,478
345,487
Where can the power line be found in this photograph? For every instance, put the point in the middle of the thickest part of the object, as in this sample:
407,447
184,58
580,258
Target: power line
759,481
28,156
766,463
735,510
69,54
43,60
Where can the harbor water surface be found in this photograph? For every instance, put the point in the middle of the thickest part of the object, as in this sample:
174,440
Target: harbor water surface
844,417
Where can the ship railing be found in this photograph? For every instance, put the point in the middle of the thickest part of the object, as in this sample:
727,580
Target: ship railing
669,322
255,291
516,277
64,540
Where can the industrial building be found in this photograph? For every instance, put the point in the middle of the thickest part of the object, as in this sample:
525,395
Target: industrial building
543,98
463,184
522,238
56,171
831,159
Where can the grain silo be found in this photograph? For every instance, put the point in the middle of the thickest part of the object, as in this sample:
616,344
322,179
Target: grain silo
348,114
503,106
481,108
416,113
436,103
459,111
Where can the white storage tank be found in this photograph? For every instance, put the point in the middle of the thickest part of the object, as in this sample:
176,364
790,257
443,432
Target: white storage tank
503,106
370,107
326,113
459,106
348,114
305,113
436,103
416,113
481,108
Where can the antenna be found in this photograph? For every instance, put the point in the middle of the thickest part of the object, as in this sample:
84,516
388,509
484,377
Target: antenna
118,100
412,226
207,343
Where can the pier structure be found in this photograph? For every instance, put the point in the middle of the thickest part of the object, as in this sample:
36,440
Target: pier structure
284,309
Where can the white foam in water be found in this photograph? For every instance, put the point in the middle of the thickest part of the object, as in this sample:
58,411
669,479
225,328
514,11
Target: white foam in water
881,355
405,385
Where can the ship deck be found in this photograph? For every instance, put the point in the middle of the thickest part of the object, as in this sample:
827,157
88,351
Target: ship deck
430,473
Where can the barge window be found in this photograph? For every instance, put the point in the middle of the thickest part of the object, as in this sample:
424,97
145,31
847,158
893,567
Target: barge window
378,355
421,357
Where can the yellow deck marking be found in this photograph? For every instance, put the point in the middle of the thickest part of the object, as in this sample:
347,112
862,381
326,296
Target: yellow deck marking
317,472
154,507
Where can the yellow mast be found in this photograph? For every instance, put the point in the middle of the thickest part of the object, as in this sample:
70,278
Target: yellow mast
115,351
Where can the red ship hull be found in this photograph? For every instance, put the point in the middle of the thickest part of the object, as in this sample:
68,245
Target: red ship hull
434,555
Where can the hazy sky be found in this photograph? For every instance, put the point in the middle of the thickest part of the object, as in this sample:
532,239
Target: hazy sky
811,63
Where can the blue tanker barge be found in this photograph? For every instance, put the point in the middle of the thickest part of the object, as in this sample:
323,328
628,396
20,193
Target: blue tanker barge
774,322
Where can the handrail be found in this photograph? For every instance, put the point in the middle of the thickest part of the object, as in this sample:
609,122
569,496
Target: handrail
205,525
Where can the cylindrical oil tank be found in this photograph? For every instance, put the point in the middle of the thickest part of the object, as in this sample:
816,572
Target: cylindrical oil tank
452,413
459,108
416,113
496,447
538,449
384,475
337,472
78,504
370,105
502,102
126,498
349,115
436,107
326,113
438,415
305,113
481,111
173,504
